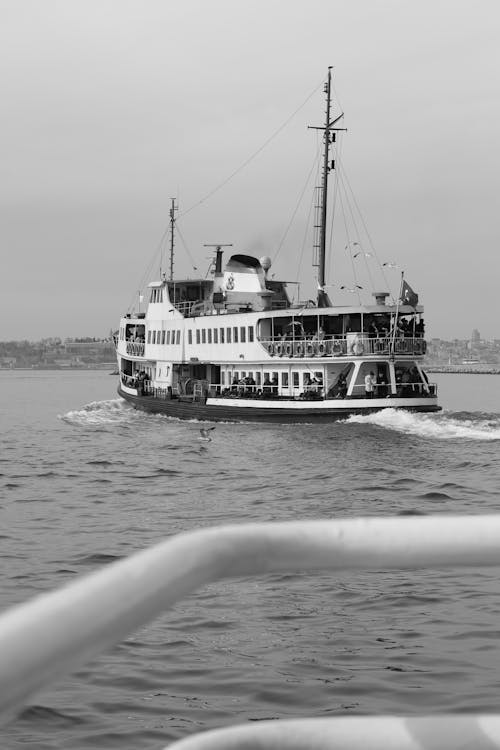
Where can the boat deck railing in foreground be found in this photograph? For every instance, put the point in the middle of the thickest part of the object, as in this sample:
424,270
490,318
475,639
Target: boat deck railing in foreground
53,634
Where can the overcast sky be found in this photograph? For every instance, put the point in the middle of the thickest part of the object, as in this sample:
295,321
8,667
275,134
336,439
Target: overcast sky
112,107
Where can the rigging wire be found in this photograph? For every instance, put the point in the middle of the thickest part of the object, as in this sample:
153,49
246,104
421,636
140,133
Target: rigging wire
356,230
148,271
334,205
316,163
252,156
365,228
184,244
299,201
349,244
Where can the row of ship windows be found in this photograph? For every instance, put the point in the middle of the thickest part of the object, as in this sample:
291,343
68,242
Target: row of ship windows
258,378
228,335
164,337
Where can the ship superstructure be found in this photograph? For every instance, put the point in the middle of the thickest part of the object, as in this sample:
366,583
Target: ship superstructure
234,347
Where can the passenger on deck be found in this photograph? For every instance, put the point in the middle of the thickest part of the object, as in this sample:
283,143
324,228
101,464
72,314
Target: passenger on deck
405,386
420,328
275,385
339,390
250,384
416,382
266,386
373,331
381,389
370,384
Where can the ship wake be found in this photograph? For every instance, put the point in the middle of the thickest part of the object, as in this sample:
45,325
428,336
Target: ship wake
446,426
101,413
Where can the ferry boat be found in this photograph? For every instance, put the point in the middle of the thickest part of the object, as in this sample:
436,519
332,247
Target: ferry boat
234,347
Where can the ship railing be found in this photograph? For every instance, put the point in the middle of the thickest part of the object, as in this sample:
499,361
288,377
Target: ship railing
136,348
55,633
353,344
416,389
185,307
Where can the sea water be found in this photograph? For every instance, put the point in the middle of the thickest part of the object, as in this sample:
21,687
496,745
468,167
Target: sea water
85,480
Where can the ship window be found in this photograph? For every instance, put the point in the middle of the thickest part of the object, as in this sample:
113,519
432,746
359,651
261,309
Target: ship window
295,379
250,333
236,376
154,337
209,336
258,378
223,378
216,335
228,331
203,336
243,334
319,377
163,337
235,335
284,380
197,335
149,337
168,337
190,336
178,338
222,335
266,376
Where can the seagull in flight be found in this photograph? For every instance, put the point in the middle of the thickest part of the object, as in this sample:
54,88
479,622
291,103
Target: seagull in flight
367,255
348,289
204,433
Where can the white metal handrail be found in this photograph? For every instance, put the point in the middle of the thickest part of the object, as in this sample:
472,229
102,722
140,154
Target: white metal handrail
448,732
54,633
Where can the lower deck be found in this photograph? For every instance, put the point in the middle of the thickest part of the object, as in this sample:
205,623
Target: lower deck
265,408
310,380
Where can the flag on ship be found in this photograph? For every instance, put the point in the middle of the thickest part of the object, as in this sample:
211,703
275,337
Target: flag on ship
408,296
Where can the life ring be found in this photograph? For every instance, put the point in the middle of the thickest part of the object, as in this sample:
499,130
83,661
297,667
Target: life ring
311,349
270,348
279,350
288,349
299,350
336,348
321,349
358,348
230,283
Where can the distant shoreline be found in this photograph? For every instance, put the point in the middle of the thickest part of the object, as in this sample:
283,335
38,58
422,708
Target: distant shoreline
464,370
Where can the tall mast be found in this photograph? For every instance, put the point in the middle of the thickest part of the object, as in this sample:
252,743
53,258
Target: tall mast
324,196
172,237
328,138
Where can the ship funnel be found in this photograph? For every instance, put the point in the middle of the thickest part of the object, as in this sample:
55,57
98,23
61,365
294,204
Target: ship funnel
218,261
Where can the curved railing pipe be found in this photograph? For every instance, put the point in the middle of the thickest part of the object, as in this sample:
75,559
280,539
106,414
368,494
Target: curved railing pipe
54,633
445,732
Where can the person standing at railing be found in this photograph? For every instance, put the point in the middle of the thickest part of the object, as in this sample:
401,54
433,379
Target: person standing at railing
373,331
370,384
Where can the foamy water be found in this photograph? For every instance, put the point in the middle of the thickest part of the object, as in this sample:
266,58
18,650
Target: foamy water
112,411
442,426
104,480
